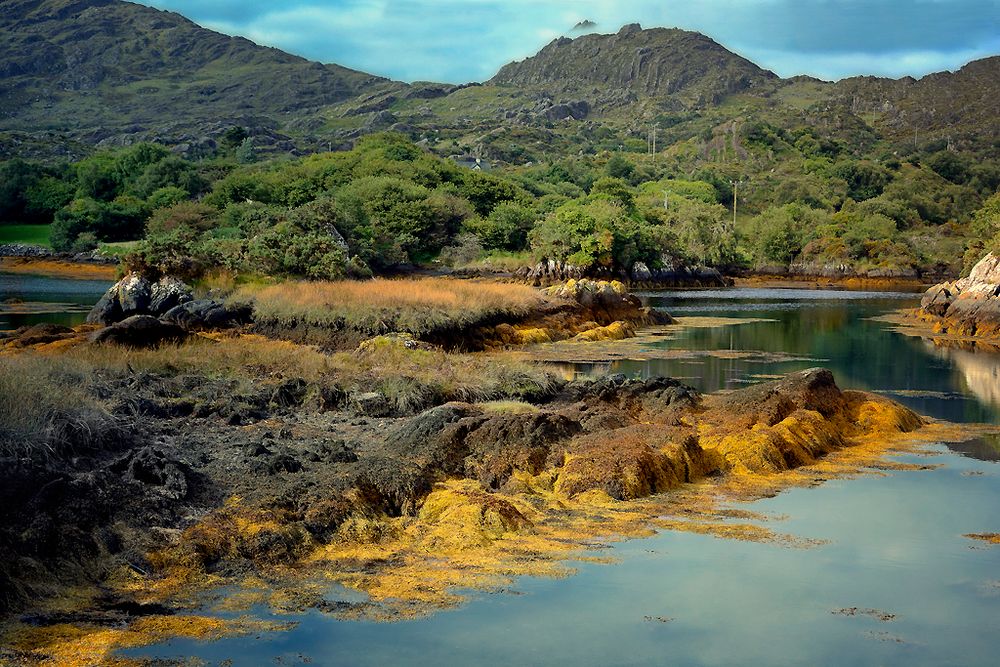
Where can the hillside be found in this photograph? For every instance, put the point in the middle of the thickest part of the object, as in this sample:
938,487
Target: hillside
684,67
98,68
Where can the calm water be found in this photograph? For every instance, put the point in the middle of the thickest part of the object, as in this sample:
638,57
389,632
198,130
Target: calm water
894,543
26,300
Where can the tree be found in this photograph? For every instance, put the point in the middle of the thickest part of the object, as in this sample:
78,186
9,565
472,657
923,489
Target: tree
619,167
505,228
485,191
16,178
592,235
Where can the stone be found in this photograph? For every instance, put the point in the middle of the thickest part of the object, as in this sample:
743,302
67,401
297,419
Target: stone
139,331
166,293
202,314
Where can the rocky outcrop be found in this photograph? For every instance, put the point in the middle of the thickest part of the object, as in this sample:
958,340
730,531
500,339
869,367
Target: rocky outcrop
136,295
969,306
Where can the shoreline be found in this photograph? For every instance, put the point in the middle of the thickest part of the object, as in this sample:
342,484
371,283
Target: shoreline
847,282
58,268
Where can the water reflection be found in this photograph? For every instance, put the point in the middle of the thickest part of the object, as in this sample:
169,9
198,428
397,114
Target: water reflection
27,300
821,327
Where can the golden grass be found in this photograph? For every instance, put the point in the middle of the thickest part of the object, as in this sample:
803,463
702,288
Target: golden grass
416,306
408,377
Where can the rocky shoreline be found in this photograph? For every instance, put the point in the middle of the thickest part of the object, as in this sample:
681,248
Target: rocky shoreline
228,457
968,307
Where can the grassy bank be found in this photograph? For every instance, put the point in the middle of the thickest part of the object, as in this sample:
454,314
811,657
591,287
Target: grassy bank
30,234
424,307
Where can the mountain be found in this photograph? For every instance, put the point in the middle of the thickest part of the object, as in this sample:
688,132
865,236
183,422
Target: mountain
93,67
81,73
670,64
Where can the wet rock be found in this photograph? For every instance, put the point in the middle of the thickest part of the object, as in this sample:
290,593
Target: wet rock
632,462
290,393
372,404
139,331
770,402
500,444
336,451
283,463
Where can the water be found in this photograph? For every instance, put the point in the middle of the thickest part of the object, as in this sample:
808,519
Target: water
894,543
27,300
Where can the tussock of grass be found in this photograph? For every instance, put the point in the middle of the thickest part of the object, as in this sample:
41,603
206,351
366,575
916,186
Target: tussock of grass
411,380
45,408
419,306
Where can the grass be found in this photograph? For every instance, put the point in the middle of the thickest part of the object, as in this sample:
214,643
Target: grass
417,306
45,409
118,249
500,261
30,234
411,380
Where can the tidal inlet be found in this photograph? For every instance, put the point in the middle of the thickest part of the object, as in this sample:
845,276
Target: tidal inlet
423,333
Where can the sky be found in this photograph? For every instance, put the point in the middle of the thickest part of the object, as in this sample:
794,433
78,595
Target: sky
458,41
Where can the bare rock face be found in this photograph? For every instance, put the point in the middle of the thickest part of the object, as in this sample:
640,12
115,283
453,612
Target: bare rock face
136,295
970,305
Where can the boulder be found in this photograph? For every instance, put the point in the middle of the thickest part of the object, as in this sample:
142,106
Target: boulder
139,331
970,305
770,402
166,293
151,468
136,295
203,314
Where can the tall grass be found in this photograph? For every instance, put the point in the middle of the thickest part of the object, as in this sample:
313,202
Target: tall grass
45,409
410,379
417,306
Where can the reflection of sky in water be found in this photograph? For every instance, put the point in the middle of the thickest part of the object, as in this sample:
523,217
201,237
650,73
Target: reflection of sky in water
34,299
894,543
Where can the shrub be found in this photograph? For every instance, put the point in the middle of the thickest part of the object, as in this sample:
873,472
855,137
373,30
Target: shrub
505,228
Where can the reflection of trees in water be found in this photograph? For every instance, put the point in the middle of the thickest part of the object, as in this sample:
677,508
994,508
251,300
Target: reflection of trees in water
980,371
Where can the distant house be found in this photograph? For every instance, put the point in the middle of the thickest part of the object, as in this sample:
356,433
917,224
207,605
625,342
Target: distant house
471,162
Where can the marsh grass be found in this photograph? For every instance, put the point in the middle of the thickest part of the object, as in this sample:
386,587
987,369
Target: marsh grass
46,410
410,379
418,306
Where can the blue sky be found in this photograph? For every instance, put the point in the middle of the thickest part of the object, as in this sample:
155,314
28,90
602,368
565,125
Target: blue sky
469,40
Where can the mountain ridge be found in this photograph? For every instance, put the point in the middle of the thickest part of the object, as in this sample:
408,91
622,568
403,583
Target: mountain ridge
109,72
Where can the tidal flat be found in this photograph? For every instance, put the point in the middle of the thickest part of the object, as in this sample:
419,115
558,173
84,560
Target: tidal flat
240,485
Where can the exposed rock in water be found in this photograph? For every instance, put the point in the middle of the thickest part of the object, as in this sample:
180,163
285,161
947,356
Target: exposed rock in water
311,473
969,306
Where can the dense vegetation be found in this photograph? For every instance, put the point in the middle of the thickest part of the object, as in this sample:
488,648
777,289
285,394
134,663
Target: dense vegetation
389,203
